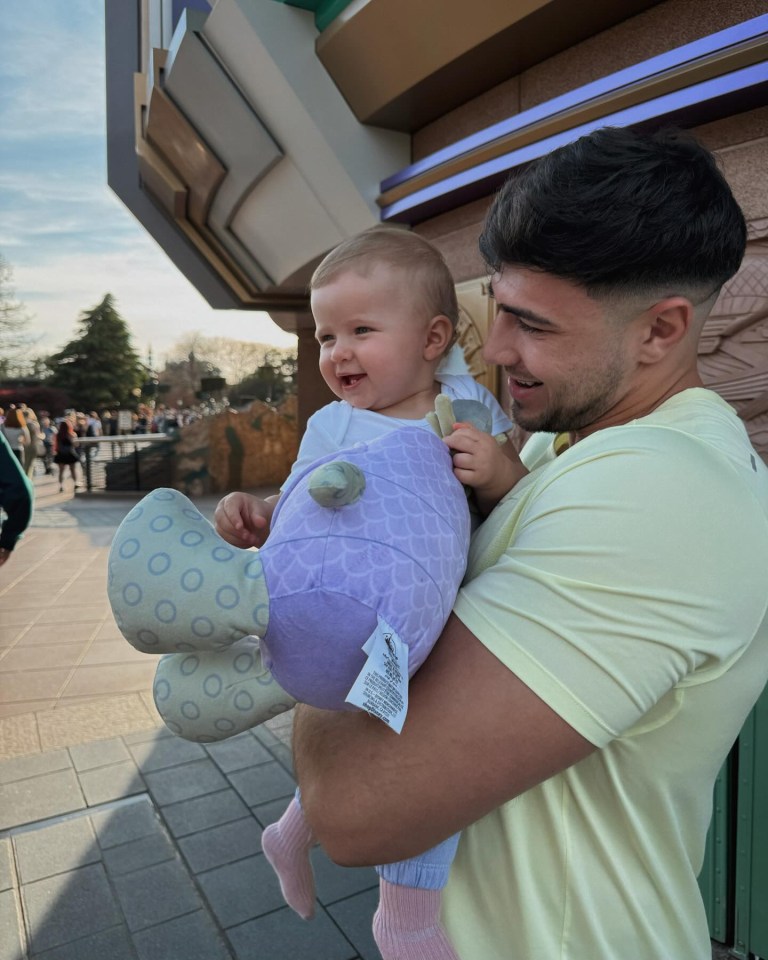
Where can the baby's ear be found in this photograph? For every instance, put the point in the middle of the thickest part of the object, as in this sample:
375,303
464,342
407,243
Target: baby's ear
438,337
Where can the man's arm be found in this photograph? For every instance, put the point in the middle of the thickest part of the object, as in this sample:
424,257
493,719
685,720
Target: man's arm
475,737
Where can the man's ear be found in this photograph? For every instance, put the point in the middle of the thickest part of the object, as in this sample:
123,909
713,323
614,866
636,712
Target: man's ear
664,326
438,337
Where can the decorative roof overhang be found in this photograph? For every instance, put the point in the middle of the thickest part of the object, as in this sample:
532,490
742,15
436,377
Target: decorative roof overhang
402,63
245,144
721,74
235,149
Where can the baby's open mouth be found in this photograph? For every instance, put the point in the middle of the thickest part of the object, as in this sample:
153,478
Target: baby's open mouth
351,379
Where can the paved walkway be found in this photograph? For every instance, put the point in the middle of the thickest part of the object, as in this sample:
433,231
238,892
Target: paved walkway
116,839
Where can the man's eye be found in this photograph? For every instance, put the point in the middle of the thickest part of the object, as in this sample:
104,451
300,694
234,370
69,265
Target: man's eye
521,325
526,327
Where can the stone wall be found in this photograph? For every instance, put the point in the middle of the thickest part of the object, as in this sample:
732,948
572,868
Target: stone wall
733,351
252,449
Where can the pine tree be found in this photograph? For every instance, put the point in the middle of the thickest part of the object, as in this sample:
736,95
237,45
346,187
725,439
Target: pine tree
100,368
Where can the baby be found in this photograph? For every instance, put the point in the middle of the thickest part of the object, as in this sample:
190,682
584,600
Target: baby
385,312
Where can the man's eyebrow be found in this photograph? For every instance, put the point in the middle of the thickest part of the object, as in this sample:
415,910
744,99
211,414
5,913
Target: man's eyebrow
521,312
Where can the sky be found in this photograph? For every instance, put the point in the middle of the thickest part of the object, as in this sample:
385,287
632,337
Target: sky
65,234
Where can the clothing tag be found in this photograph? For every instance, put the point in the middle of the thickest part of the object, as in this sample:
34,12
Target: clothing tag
381,687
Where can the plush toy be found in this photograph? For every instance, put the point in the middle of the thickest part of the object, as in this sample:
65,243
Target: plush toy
341,605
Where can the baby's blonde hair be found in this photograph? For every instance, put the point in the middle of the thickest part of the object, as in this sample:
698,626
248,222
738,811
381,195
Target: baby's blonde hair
401,250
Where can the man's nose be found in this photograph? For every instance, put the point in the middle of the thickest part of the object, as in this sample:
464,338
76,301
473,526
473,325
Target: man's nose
500,345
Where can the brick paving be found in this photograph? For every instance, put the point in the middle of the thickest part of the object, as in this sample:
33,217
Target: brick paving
117,839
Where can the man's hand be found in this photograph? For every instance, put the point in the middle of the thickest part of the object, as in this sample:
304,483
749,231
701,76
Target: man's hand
475,737
479,461
243,520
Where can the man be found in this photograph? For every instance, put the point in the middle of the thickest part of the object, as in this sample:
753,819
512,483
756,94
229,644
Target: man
16,497
611,635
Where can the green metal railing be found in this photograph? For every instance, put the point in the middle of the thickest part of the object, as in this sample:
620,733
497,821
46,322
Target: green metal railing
751,880
142,461
734,878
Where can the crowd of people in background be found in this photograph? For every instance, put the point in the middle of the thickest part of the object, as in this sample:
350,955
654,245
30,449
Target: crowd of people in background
42,442
35,442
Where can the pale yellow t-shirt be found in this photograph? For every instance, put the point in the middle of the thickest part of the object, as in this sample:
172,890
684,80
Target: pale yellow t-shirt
626,583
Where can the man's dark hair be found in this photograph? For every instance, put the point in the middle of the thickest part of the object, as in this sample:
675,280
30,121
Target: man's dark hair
620,211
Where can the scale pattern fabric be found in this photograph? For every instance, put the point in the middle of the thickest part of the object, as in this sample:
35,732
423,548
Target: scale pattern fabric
398,553
312,594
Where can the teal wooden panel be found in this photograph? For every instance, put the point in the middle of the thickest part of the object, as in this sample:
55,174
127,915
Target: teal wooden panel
751,886
715,876
324,10
303,4
758,931
329,10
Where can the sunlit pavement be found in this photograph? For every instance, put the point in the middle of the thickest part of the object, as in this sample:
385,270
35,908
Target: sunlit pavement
116,839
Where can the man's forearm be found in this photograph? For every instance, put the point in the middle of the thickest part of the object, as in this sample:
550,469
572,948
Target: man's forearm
372,796
338,802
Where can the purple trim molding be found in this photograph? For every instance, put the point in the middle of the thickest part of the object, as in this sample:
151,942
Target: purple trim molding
736,91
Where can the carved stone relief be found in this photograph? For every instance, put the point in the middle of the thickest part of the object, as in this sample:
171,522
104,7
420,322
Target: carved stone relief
475,315
733,352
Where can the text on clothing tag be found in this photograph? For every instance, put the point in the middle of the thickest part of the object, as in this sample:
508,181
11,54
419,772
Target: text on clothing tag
381,687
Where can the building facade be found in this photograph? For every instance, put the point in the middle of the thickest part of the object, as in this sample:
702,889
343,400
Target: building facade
251,136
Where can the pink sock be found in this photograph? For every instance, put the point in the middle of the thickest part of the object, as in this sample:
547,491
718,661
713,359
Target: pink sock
286,844
407,925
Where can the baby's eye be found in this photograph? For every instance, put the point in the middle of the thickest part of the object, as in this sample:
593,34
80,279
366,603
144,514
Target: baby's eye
324,337
362,329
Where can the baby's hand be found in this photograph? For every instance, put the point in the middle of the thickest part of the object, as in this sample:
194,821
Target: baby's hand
243,520
480,462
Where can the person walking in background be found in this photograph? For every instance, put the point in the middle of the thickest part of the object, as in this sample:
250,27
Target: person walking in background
67,454
49,436
93,428
80,424
16,496
35,447
15,431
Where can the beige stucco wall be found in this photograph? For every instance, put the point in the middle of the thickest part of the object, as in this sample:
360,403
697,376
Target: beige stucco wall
741,141
248,450
741,144
655,31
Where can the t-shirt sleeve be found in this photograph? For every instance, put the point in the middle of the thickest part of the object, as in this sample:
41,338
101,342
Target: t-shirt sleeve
624,575
322,436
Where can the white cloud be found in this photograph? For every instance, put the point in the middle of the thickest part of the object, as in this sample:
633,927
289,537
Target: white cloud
67,237
158,304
